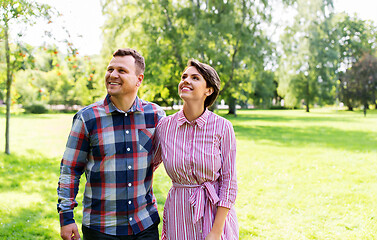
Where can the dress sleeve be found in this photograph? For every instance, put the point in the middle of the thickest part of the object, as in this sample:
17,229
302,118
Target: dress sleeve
228,177
71,168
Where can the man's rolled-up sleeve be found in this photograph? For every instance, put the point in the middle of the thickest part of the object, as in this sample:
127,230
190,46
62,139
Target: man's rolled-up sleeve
71,168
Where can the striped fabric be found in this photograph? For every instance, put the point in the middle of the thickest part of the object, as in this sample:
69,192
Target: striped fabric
199,157
114,149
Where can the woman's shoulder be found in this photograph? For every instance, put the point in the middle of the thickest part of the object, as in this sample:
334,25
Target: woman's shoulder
219,119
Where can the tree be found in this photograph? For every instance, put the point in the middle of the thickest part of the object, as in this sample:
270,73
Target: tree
356,40
226,34
307,69
358,85
12,12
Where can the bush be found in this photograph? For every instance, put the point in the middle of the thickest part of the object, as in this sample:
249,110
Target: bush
36,108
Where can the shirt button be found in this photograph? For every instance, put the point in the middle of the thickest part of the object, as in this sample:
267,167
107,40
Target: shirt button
125,114
129,167
127,132
130,218
130,184
129,202
128,149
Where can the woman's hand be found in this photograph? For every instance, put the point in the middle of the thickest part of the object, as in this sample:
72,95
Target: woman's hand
213,236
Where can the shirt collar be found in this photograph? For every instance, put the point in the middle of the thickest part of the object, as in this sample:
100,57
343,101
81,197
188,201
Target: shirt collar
200,121
137,106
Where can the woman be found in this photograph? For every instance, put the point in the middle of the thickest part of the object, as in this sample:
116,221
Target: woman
198,149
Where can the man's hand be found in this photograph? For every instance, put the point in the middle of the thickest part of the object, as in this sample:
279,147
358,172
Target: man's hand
70,232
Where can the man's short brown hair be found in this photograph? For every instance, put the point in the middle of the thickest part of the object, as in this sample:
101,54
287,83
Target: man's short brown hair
210,76
139,60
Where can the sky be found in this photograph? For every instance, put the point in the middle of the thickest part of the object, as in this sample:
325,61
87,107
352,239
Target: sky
83,19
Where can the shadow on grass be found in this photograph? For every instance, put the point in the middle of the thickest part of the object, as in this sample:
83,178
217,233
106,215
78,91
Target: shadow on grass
249,115
318,135
28,191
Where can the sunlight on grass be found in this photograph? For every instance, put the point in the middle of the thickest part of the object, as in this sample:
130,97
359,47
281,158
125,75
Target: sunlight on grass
300,175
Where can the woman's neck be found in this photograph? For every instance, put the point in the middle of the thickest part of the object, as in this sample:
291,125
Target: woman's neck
192,111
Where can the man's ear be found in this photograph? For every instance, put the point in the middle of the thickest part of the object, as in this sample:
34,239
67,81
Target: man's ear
140,79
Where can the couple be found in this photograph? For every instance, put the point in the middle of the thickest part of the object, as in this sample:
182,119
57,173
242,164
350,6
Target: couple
118,142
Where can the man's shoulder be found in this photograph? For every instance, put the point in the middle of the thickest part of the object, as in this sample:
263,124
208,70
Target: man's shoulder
150,107
147,104
90,111
168,119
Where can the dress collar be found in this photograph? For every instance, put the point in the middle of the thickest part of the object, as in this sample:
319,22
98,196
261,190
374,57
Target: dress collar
200,121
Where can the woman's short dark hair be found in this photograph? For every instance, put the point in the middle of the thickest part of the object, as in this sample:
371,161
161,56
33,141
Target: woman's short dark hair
210,76
139,60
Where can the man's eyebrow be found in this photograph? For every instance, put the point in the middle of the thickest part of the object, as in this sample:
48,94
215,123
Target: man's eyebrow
120,67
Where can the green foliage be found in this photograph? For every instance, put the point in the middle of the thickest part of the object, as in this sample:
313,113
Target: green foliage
36,108
308,65
359,84
225,34
318,48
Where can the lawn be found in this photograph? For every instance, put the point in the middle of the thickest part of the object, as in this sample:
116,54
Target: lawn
300,175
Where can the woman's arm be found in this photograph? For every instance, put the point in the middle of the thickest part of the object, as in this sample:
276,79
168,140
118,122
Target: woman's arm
218,225
227,181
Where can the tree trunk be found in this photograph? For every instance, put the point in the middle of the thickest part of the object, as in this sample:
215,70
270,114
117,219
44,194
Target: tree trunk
9,84
232,106
213,108
307,100
366,106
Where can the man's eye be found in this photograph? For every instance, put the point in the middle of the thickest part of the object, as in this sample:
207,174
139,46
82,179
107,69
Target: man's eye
110,69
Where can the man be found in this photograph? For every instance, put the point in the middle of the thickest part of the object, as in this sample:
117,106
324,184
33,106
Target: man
112,142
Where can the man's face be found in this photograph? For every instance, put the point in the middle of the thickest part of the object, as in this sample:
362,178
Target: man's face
121,77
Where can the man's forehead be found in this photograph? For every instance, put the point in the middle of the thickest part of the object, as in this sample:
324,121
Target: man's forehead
122,61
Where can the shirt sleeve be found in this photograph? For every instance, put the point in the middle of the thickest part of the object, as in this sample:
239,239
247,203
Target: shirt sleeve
71,168
228,177
157,158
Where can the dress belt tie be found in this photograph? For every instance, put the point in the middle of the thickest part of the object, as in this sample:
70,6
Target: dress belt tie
197,198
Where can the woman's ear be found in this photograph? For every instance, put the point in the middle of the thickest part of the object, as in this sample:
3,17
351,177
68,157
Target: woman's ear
209,91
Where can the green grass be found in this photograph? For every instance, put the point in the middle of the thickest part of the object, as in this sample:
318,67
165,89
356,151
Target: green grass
300,175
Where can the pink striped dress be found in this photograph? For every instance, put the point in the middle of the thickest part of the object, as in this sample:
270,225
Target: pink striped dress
199,157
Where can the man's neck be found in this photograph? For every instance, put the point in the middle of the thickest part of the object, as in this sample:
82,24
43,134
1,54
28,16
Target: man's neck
123,103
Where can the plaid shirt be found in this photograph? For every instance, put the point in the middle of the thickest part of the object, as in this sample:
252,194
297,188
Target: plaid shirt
114,148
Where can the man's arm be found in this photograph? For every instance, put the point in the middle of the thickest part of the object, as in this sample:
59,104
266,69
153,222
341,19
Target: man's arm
71,168
156,159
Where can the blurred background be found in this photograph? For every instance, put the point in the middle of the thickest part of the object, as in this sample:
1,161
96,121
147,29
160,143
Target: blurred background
299,84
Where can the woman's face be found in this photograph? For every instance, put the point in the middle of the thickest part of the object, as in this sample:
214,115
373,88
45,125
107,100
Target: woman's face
193,87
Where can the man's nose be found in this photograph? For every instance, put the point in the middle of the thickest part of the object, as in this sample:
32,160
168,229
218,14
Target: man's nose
114,74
